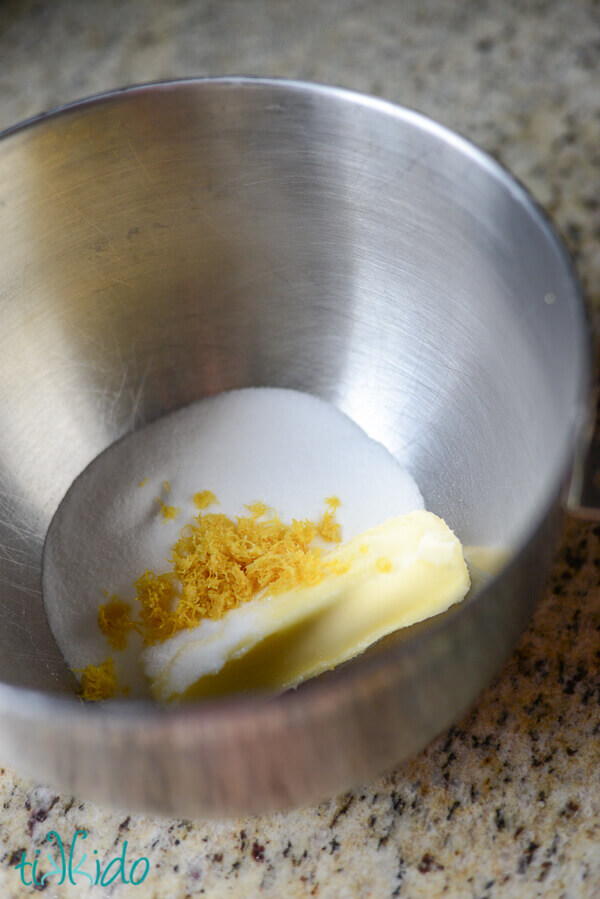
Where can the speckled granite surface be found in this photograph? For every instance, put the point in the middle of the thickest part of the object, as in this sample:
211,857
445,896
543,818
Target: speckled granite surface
507,803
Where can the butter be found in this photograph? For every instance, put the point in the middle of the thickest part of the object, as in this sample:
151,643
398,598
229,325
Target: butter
394,575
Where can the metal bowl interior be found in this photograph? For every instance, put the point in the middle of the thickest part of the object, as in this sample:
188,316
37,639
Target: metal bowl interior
168,242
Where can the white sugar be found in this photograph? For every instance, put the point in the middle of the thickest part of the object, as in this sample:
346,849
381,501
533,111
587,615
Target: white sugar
285,448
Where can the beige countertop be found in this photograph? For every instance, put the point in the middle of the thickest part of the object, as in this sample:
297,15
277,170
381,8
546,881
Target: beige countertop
507,802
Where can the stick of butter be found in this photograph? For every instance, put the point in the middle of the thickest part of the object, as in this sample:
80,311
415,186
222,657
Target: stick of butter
394,575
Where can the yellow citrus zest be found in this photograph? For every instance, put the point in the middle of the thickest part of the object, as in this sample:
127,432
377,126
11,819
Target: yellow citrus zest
204,498
115,622
169,513
384,565
99,682
219,563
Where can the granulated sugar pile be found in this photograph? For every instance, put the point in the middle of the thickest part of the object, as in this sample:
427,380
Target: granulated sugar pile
283,448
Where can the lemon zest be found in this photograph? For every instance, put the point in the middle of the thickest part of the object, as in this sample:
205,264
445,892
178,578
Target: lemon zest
115,622
328,528
99,682
169,513
218,564
204,498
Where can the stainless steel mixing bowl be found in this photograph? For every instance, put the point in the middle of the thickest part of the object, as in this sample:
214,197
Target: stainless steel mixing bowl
167,242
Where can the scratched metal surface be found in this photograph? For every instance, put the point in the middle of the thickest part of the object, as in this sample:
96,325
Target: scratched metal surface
169,244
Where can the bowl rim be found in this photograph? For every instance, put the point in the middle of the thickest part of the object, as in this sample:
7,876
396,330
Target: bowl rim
26,703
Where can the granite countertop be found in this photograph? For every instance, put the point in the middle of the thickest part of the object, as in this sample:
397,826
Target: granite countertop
507,802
